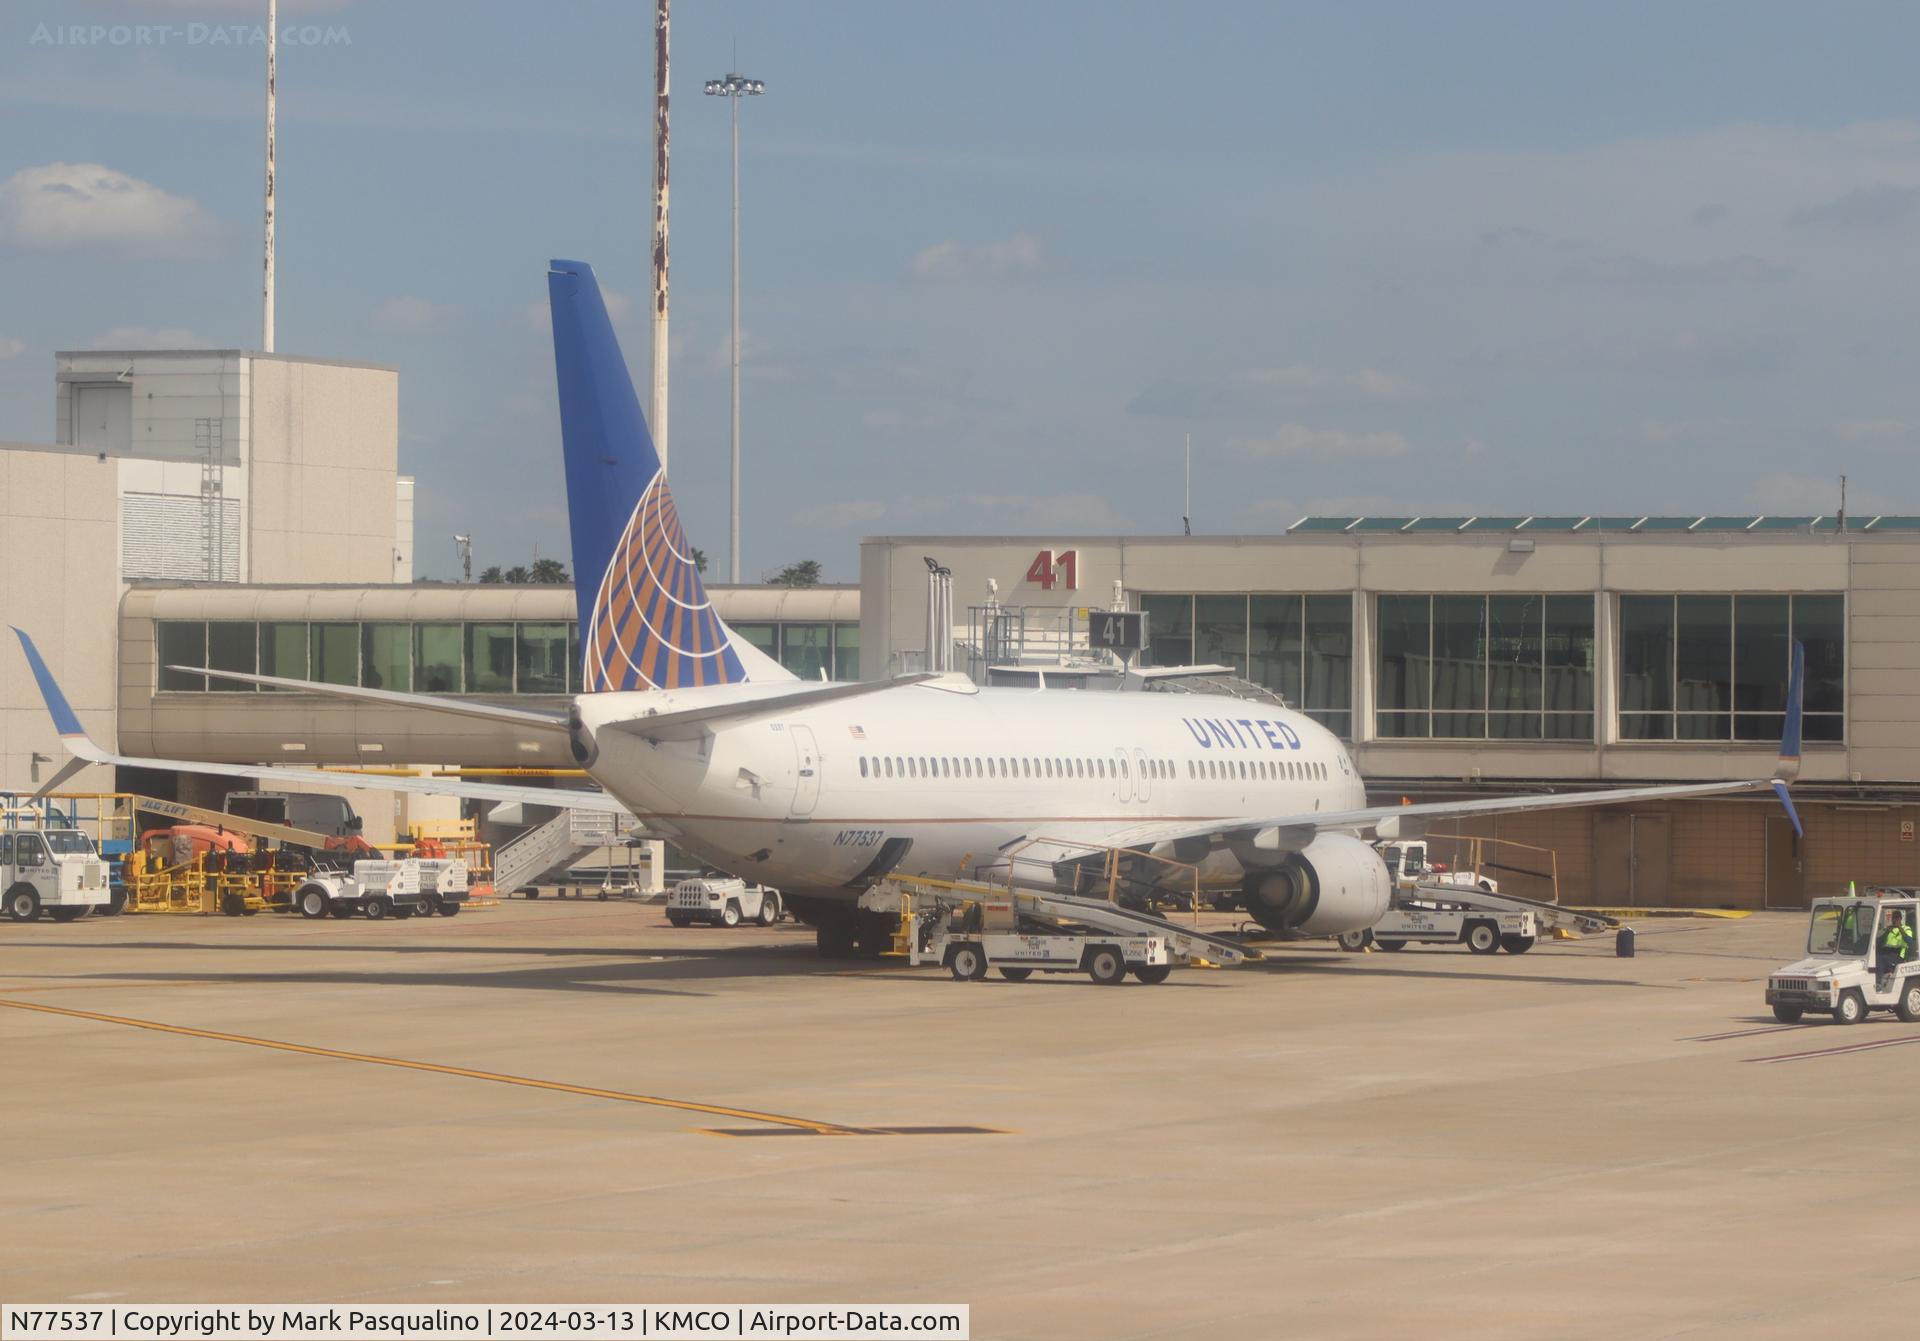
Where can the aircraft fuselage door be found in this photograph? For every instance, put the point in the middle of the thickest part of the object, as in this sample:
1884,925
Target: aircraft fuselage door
1122,783
806,769
1142,777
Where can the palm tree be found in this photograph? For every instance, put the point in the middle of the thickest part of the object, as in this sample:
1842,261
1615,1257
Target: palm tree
515,576
548,573
805,573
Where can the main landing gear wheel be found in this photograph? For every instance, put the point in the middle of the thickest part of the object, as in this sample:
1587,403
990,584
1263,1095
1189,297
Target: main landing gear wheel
1483,938
23,903
1788,1014
1516,945
1106,965
967,963
1851,1008
1016,974
1153,973
1908,1006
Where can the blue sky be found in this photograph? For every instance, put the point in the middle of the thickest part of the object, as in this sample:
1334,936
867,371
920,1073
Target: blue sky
999,258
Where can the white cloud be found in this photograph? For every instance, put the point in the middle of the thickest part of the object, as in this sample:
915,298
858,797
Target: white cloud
147,337
1365,384
1877,432
1295,441
409,314
68,205
10,347
1689,432
974,260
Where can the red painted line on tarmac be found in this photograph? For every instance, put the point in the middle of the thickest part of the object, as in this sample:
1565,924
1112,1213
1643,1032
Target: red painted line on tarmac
1745,1033
1840,1051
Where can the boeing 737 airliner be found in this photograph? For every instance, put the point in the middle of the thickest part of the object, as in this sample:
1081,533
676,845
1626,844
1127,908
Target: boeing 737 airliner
823,789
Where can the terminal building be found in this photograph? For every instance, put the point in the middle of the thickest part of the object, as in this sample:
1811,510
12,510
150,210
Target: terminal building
237,511
1487,654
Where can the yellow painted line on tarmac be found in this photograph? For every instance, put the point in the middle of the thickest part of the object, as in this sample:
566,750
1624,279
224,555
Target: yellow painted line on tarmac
651,1100
1642,914
110,986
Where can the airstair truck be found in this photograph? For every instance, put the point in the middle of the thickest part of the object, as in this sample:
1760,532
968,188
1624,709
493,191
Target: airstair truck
1847,972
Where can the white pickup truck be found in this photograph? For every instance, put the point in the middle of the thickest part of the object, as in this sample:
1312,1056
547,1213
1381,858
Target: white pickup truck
55,871
720,901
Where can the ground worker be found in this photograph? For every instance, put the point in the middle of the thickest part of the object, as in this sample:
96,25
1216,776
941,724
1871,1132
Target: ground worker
1896,944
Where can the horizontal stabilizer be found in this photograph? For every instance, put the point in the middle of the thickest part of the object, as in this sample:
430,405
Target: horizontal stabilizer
82,746
393,698
690,723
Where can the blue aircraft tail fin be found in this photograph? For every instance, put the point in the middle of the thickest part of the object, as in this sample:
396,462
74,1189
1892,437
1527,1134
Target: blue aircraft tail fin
645,620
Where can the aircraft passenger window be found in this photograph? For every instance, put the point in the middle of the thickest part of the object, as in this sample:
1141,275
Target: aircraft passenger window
1079,768
863,766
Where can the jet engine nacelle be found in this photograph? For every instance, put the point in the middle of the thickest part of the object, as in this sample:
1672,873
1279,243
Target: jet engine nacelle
1335,883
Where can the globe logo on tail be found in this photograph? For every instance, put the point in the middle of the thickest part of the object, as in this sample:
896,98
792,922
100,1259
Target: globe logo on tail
653,626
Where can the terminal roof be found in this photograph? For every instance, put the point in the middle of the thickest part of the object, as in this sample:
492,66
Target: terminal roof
1612,525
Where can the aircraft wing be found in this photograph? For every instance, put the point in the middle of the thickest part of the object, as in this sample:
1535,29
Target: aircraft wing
1284,832
1297,830
75,738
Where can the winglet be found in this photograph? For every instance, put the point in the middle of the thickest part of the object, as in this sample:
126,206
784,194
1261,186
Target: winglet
1788,767
58,708
1786,802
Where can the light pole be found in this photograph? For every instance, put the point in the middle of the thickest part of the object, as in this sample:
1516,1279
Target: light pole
733,88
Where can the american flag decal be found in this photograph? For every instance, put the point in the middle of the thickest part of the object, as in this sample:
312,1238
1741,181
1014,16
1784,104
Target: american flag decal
653,626
857,732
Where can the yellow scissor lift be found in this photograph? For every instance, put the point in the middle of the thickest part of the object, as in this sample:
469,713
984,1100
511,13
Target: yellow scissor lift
217,885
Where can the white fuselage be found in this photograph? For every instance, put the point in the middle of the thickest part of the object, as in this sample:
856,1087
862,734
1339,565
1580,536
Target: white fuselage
808,800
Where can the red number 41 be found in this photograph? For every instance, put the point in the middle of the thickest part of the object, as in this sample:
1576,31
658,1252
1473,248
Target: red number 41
1049,568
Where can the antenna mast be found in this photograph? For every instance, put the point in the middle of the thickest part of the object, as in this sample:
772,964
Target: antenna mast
266,299
1186,516
659,425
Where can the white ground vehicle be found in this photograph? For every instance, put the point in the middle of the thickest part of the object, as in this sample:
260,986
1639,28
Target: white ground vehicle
1408,865
443,885
57,871
376,888
973,928
1846,972
1436,920
722,902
